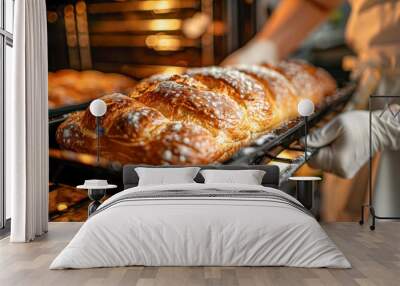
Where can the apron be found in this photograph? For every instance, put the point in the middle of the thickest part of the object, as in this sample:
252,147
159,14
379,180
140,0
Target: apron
373,31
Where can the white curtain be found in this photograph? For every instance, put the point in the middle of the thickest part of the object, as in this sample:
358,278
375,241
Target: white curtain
27,124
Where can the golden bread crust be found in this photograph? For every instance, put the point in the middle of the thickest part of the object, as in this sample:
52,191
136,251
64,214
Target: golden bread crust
201,117
219,114
243,89
135,133
67,87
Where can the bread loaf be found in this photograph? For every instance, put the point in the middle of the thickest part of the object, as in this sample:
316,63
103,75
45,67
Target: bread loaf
67,87
200,117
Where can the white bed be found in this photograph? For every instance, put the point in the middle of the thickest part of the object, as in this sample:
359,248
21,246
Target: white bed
249,226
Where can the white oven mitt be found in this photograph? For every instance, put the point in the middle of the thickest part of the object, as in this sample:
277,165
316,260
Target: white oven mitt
254,52
344,142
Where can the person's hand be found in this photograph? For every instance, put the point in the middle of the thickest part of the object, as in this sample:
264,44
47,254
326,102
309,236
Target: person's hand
254,52
344,142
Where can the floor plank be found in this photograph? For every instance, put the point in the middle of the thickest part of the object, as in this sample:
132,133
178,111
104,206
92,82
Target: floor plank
375,257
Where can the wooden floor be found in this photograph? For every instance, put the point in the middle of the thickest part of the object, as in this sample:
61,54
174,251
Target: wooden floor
375,257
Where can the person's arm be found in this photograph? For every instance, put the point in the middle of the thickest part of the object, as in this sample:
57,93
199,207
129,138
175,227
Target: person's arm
293,20
283,33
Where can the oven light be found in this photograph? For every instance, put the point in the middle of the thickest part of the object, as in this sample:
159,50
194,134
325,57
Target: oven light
163,43
164,24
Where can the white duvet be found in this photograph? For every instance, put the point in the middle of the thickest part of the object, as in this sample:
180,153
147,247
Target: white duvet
200,231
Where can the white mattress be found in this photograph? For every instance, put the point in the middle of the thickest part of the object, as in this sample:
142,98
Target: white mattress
191,231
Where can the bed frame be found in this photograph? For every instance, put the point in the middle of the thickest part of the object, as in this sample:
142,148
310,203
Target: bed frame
271,177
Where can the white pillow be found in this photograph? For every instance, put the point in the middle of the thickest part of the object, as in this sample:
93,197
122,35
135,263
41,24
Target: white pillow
248,177
164,176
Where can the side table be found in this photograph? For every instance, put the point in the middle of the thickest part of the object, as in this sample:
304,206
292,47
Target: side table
96,191
306,188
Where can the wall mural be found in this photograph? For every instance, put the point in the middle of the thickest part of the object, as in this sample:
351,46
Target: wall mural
165,101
